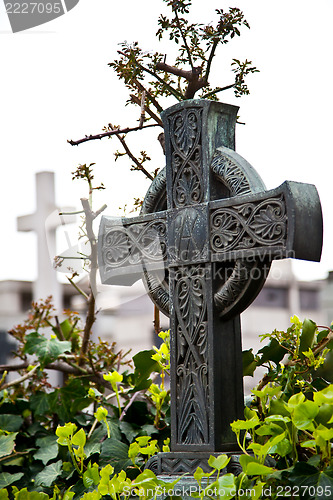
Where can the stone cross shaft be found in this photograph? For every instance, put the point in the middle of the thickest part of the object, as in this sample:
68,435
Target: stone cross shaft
203,244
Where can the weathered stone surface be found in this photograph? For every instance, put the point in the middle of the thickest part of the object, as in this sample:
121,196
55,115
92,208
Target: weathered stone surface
204,244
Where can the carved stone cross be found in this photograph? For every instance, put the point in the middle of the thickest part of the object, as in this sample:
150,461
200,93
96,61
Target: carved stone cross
203,245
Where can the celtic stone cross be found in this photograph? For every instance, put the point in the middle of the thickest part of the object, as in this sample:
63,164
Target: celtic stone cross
203,244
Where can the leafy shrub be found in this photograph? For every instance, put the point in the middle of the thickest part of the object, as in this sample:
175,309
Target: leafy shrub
286,436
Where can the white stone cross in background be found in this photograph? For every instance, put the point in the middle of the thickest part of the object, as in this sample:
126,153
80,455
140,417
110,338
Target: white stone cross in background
44,223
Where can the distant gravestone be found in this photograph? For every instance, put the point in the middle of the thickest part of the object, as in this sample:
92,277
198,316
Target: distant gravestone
203,245
44,223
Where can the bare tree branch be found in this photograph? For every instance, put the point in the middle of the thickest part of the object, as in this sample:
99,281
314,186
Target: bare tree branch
220,89
150,96
129,404
14,368
143,109
189,55
210,58
109,133
20,379
77,288
133,158
193,77
149,112
188,75
91,317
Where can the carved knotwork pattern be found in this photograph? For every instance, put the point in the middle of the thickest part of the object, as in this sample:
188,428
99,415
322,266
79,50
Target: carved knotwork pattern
187,183
130,244
248,226
184,465
230,174
190,302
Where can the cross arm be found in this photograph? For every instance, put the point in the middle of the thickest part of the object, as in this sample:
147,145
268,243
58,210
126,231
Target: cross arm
129,247
26,223
283,222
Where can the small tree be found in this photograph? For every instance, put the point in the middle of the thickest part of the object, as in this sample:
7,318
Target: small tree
152,80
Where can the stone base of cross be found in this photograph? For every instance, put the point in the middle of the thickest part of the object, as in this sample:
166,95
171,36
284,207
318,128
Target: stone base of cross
203,244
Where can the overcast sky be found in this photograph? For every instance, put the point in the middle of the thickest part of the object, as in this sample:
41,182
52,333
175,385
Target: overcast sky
56,85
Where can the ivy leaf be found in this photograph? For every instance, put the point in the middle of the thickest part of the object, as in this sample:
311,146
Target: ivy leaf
39,403
304,414
307,336
79,439
115,452
91,448
252,467
218,462
91,476
283,448
313,483
272,352
10,422
48,449
7,479
225,484
7,444
129,430
46,350
24,494
322,335
4,494
249,363
74,397
49,474
144,367
245,425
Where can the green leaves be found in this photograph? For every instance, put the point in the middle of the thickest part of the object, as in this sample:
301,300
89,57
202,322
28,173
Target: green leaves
312,483
304,414
307,335
225,485
7,444
325,396
245,425
114,378
48,449
46,350
145,365
6,479
144,446
91,476
253,467
49,474
101,415
115,453
10,422
65,433
249,363
219,462
274,351
79,439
